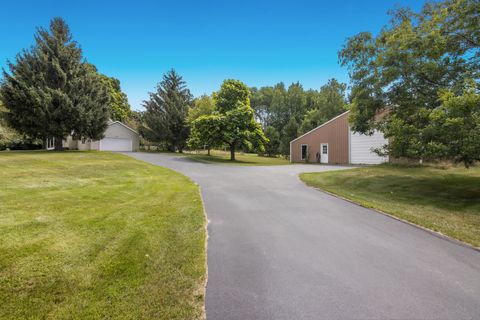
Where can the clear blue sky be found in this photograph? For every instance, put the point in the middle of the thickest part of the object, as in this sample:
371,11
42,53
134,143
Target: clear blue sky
258,42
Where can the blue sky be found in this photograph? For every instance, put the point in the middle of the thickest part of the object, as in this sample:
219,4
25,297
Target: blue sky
258,42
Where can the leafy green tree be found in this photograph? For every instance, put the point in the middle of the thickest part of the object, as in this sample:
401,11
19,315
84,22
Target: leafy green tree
165,118
205,132
289,133
273,145
232,123
202,106
412,62
7,134
51,92
329,102
119,108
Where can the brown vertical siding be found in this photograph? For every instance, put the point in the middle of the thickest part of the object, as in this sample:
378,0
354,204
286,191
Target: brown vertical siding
335,133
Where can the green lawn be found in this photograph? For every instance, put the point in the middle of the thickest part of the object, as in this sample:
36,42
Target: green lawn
444,200
91,235
242,159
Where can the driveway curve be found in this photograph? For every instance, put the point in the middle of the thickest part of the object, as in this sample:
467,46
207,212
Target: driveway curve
278,249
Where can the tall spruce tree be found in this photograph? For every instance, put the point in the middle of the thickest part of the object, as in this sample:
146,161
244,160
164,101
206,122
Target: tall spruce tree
51,92
165,118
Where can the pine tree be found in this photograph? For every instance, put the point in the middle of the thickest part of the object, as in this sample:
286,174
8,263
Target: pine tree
165,118
51,92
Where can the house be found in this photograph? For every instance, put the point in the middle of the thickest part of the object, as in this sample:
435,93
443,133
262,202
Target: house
117,137
335,143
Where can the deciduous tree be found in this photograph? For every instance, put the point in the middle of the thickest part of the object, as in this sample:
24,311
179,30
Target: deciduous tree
232,122
407,67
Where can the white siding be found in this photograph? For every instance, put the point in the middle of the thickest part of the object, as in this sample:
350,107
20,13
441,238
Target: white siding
361,147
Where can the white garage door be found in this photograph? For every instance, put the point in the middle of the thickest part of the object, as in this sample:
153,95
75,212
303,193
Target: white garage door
361,148
115,144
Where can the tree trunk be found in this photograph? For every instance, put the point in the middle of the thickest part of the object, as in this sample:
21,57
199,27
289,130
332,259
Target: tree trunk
232,152
208,151
58,144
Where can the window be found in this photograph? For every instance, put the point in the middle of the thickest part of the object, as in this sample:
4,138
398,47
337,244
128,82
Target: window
304,151
325,149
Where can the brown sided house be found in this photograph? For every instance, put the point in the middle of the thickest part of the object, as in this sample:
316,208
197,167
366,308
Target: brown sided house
335,143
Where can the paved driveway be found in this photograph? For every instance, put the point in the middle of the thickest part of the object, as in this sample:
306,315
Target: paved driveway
280,250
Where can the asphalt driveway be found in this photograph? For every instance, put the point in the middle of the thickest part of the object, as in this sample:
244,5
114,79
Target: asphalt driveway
278,249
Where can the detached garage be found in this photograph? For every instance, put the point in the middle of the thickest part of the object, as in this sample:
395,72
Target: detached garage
118,137
335,143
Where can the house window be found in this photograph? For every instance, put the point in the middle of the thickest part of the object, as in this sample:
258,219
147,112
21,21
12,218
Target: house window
325,149
304,151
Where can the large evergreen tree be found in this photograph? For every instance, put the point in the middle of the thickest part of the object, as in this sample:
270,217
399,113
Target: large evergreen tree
51,92
165,118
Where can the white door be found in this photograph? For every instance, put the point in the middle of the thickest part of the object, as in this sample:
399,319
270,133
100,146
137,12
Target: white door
324,153
115,144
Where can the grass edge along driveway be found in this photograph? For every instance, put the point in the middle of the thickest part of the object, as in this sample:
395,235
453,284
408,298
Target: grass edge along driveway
241,159
442,200
99,235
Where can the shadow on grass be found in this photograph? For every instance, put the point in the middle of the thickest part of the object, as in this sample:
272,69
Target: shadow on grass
447,191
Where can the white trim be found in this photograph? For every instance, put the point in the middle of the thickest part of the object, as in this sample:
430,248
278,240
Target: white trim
349,145
123,124
303,135
291,152
321,152
301,152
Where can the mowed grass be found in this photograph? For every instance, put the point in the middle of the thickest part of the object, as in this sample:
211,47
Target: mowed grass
242,159
90,235
443,200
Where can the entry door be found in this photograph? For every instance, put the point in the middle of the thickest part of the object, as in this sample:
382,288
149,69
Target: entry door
324,153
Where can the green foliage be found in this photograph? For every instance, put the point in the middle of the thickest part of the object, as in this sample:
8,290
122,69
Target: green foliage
289,132
412,62
7,134
296,108
329,102
51,92
119,108
273,145
455,126
231,94
202,106
165,118
232,122
205,132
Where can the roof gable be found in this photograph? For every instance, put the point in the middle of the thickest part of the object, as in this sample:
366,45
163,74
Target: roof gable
323,124
122,124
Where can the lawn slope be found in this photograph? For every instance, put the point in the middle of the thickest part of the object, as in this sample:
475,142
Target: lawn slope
91,235
444,200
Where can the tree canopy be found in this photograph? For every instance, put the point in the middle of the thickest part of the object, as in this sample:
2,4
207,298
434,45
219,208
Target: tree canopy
423,67
232,123
165,118
119,108
50,91
288,112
